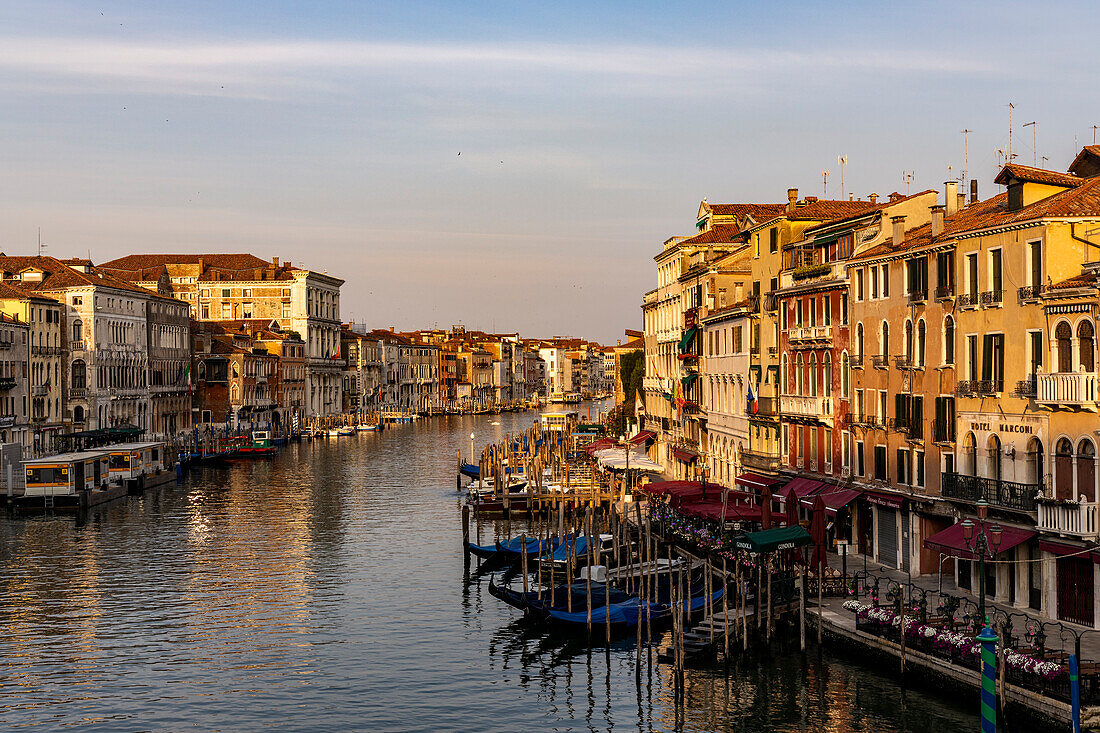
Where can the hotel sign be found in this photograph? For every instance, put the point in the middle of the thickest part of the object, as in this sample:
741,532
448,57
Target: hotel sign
1002,427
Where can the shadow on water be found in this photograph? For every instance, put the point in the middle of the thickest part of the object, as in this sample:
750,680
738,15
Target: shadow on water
325,590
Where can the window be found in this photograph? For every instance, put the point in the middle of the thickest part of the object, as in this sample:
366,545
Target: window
972,275
918,468
773,239
874,283
1035,349
846,450
827,390
993,360
246,293
844,309
246,310
225,292
1086,346
798,313
79,374
859,285
903,466
945,273
884,343
205,311
78,300
921,341
827,314
756,246
845,375
880,462
78,333
909,340
886,280
859,341
737,339
995,271
861,467
812,304
972,357
948,340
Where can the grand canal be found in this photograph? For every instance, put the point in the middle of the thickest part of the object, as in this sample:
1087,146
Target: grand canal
324,590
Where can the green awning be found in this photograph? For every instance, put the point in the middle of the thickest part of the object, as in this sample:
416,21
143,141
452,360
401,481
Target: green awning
688,381
771,540
689,336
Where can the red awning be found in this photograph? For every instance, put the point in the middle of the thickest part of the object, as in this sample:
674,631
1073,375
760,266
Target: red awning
713,511
952,542
890,501
600,444
643,436
685,455
835,498
802,487
1060,549
756,481
673,488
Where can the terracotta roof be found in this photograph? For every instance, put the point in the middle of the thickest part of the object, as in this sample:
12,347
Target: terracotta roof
965,219
242,261
1080,165
718,234
57,275
826,210
205,267
756,211
1035,175
868,208
1084,280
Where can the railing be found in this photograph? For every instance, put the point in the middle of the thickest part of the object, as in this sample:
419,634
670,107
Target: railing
1029,293
39,390
7,383
903,361
856,361
1026,387
759,459
967,300
78,393
945,291
5,344
988,387
991,298
965,387
765,407
1068,389
46,350
1007,494
918,296
754,303
880,361
819,407
1079,520
771,302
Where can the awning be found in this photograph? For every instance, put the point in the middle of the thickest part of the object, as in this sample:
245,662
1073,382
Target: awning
685,455
688,380
835,499
689,335
770,540
756,481
712,510
952,542
620,459
802,487
643,436
1061,549
672,488
600,444
890,501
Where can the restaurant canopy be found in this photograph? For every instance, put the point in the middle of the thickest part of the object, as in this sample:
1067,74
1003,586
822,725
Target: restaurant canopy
620,459
713,510
802,487
643,436
686,455
835,498
771,540
600,444
952,542
756,481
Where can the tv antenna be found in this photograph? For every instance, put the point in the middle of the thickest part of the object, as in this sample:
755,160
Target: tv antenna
1094,128
41,247
825,184
1010,108
842,160
966,156
907,176
1034,149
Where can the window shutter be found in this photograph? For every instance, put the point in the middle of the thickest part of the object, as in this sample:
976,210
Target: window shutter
987,357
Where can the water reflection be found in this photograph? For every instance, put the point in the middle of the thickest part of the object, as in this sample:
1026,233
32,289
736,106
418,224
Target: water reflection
325,590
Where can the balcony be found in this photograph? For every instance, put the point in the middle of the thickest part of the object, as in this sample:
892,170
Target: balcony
820,408
7,383
978,388
945,292
765,407
1029,293
78,393
880,361
773,350
5,345
1067,390
39,390
903,361
1005,494
992,298
1073,520
917,296
771,303
856,361
967,300
760,459
1026,388
810,335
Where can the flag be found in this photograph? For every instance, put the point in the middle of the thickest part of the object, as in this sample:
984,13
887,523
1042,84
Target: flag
679,399
752,405
639,406
187,371
336,350
48,377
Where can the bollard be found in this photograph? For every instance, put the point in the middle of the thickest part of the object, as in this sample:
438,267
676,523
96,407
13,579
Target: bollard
1075,692
988,640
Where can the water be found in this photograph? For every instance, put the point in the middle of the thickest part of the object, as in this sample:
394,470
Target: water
324,590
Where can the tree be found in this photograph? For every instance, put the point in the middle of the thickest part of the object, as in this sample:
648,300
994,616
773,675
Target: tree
631,372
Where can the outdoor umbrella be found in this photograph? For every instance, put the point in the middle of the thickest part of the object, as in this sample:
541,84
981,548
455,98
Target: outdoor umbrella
792,521
819,561
766,509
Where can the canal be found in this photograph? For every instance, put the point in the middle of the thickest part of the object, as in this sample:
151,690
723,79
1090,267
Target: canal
324,590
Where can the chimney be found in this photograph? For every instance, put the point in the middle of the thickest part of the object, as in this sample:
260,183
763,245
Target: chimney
895,196
873,198
937,219
392,328
275,261
792,196
202,267
950,197
851,197
973,190
962,199
899,229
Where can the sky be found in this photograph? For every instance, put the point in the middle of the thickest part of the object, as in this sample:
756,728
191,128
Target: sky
507,166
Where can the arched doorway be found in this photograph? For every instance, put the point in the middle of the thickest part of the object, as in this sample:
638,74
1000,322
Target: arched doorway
969,456
994,466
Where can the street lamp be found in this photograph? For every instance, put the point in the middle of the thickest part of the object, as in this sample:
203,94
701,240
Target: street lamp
842,546
987,541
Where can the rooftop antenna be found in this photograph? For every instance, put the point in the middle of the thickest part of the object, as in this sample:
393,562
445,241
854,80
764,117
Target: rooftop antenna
41,247
842,160
907,176
966,154
825,184
1045,158
1010,108
1034,149
1094,127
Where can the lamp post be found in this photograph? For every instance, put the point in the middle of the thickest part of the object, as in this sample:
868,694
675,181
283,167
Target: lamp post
842,546
986,541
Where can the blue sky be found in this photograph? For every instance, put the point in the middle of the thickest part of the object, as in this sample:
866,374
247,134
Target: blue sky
329,133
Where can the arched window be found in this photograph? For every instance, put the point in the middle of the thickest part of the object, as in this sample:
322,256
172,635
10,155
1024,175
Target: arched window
79,374
1034,462
884,343
921,341
993,445
1086,470
784,378
845,376
798,376
859,341
909,340
970,455
1063,469
812,376
1086,346
78,414
948,340
78,332
1063,336
236,370
236,393
827,384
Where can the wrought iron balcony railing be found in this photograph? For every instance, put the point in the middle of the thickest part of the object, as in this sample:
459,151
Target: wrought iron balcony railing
992,298
1029,293
967,300
1007,494
944,292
